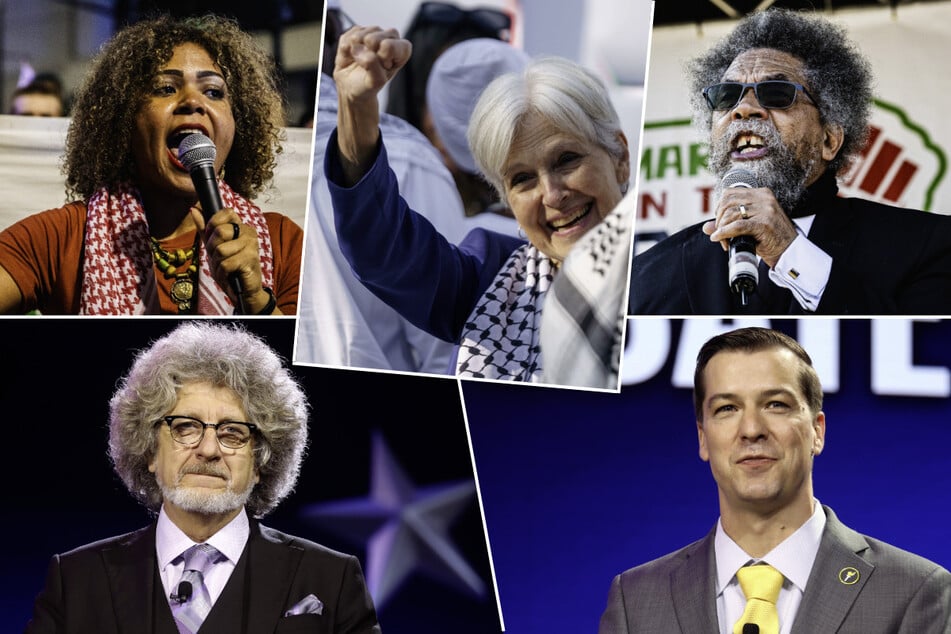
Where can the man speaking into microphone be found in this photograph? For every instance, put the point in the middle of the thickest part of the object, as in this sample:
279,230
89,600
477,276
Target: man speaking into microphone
786,99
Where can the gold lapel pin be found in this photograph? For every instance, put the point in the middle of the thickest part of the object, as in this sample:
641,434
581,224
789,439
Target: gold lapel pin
849,576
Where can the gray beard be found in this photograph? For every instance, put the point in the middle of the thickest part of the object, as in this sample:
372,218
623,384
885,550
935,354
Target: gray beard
204,501
778,171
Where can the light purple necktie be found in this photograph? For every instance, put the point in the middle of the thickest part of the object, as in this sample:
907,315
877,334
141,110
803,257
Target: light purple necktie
191,608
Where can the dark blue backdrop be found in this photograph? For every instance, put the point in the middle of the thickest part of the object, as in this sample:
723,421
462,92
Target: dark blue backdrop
59,490
579,486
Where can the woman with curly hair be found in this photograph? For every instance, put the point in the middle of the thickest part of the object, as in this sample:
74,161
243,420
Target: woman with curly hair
135,240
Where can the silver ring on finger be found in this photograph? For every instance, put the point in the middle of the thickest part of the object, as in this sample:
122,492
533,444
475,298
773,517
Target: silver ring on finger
743,213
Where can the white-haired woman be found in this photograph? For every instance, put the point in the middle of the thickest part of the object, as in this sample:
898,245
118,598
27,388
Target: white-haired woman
548,139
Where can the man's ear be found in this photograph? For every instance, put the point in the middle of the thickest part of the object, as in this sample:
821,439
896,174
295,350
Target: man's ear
833,136
702,440
819,425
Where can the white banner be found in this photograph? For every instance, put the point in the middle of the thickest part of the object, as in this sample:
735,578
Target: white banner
905,163
31,151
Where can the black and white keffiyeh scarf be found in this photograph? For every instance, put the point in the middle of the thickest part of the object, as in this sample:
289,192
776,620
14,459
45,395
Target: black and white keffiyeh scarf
500,338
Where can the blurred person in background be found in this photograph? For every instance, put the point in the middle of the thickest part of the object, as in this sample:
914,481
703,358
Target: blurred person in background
458,77
434,28
39,98
341,322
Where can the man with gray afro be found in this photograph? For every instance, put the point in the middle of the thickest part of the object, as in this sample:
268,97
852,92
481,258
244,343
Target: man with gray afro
785,99
207,430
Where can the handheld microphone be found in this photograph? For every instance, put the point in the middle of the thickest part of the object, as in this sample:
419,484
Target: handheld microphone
751,628
742,264
197,153
184,592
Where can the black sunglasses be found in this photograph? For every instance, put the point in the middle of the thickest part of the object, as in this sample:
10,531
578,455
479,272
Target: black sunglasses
772,93
492,21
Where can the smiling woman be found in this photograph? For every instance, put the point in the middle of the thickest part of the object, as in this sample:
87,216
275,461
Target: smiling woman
550,142
136,240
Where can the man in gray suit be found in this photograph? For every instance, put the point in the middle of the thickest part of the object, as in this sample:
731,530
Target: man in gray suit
758,405
207,430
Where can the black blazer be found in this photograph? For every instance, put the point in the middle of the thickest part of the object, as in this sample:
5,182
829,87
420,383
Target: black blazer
110,587
885,261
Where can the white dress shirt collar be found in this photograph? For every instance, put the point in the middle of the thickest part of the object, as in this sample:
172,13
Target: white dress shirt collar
170,541
793,557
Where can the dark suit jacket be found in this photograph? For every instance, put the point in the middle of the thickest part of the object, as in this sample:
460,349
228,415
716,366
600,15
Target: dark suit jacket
113,587
885,261
896,592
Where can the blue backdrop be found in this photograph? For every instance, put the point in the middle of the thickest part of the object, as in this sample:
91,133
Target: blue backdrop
579,486
59,490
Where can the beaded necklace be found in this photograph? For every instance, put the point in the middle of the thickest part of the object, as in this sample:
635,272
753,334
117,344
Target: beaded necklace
170,263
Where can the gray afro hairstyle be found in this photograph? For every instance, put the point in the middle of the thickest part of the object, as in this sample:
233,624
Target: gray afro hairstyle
225,356
836,72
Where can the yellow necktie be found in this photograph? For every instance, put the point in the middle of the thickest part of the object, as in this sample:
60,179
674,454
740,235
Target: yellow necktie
761,586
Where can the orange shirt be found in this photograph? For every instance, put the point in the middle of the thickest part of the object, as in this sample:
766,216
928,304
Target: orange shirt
43,253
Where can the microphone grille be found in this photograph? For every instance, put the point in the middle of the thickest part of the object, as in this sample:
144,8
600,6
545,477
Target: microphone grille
738,177
196,150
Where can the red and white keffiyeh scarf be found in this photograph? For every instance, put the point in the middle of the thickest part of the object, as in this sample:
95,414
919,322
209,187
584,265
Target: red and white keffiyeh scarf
118,274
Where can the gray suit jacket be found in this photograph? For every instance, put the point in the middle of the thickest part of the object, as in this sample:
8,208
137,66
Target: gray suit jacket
896,592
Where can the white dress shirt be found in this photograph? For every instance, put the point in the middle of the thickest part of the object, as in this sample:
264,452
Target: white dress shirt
803,267
171,542
793,558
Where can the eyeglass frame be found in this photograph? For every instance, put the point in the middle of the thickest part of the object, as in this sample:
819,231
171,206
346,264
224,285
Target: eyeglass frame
755,86
168,420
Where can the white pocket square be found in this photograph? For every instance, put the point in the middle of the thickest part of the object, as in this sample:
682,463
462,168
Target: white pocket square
308,605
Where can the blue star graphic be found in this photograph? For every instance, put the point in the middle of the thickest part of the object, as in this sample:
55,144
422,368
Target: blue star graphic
405,528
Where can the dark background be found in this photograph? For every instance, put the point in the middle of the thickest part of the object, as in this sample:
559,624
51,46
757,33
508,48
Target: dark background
60,491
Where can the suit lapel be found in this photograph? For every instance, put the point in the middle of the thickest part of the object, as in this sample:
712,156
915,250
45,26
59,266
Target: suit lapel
837,578
695,605
706,278
131,567
830,229
833,232
272,565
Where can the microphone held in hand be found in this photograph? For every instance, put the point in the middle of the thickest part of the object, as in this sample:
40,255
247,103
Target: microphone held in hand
742,265
197,153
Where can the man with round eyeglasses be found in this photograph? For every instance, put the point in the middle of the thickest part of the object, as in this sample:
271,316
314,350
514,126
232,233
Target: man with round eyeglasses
786,98
207,430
